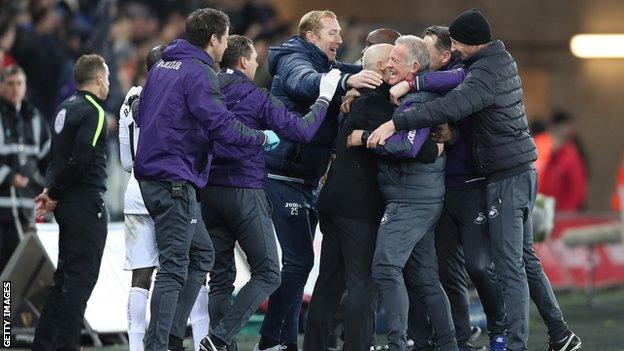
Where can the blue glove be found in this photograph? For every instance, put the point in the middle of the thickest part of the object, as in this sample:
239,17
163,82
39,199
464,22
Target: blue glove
271,140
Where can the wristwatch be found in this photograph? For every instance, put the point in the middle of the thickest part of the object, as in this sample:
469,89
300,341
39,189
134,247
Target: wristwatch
365,135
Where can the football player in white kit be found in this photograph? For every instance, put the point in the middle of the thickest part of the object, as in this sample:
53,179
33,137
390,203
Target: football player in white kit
141,250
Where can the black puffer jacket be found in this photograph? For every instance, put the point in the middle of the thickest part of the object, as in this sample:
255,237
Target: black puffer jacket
492,91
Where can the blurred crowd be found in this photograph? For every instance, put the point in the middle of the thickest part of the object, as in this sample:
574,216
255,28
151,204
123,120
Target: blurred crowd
45,37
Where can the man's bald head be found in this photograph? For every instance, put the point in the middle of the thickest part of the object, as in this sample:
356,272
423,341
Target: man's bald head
375,58
381,36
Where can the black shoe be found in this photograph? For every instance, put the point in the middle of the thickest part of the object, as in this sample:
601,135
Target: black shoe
290,347
570,343
208,344
471,347
175,343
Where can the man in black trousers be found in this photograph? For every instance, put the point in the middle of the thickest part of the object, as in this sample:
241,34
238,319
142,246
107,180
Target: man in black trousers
74,190
331,202
350,207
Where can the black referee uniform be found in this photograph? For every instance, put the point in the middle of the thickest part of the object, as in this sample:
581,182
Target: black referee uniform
75,178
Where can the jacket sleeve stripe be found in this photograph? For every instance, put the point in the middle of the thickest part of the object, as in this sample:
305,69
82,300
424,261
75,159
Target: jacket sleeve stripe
101,119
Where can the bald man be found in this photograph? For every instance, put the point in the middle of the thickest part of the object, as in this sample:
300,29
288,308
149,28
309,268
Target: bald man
350,207
377,36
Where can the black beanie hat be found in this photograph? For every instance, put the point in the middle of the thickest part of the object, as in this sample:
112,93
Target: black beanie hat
471,28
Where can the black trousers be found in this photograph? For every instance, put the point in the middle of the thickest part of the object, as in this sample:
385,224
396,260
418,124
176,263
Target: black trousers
463,245
82,235
294,218
240,215
510,204
405,258
185,256
346,260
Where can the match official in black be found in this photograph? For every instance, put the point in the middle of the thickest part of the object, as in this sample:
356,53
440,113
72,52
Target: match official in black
75,186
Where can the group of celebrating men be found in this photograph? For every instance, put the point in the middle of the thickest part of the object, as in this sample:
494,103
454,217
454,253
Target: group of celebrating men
431,176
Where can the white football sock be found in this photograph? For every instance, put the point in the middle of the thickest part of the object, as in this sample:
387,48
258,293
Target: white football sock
199,317
137,320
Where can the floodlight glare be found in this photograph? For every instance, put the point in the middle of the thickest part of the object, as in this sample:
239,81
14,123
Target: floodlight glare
598,45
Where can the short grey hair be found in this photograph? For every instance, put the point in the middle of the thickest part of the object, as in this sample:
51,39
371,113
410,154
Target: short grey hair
416,50
10,71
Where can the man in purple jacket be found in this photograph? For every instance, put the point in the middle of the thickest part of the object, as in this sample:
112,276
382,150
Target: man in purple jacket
181,113
235,207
